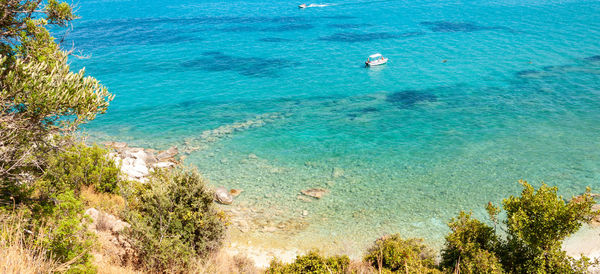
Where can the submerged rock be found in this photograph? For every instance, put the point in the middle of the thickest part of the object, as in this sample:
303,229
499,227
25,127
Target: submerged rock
304,198
168,154
235,192
223,196
315,192
115,145
337,172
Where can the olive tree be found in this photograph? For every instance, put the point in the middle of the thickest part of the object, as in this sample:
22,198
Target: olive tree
41,99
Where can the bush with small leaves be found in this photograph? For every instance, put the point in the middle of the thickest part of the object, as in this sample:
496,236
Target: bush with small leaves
470,247
394,253
81,165
312,262
173,219
61,228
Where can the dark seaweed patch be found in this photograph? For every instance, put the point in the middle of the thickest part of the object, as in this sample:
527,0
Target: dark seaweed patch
151,31
212,53
445,26
409,98
274,40
559,68
284,28
348,26
130,36
350,37
247,66
595,58
339,17
281,28
527,73
369,109
240,29
193,21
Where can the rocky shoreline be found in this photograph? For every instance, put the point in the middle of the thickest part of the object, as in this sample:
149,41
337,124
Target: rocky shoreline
137,164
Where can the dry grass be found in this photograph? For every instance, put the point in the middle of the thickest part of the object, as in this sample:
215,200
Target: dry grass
17,254
115,269
110,203
108,266
102,224
225,263
360,267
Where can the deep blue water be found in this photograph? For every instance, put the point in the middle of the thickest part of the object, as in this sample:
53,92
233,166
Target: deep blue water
476,95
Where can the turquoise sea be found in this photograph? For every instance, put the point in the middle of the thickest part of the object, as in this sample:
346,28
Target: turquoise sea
272,99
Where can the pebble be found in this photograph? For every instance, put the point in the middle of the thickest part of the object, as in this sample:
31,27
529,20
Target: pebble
337,172
269,229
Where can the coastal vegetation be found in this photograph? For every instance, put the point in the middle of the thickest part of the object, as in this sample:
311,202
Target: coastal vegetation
49,181
528,240
173,220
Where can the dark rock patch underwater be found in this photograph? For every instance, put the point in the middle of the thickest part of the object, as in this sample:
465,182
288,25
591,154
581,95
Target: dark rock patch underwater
595,58
348,26
445,26
350,37
409,98
274,40
247,66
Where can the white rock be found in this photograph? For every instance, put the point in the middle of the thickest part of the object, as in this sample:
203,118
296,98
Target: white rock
137,171
139,155
223,196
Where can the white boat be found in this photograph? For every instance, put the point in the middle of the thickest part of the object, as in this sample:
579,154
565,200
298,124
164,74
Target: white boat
375,60
302,6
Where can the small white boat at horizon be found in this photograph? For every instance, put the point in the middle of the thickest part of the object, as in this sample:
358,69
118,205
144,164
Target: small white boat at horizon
375,60
302,6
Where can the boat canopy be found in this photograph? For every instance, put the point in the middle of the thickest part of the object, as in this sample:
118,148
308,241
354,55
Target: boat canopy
374,56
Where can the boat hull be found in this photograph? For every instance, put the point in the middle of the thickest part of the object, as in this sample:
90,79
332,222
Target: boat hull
376,62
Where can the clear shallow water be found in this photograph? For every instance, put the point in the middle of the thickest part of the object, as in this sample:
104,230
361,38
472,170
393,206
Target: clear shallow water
401,148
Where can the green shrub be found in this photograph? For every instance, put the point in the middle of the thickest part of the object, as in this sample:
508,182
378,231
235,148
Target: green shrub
173,219
393,253
60,228
537,222
312,262
80,165
469,247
